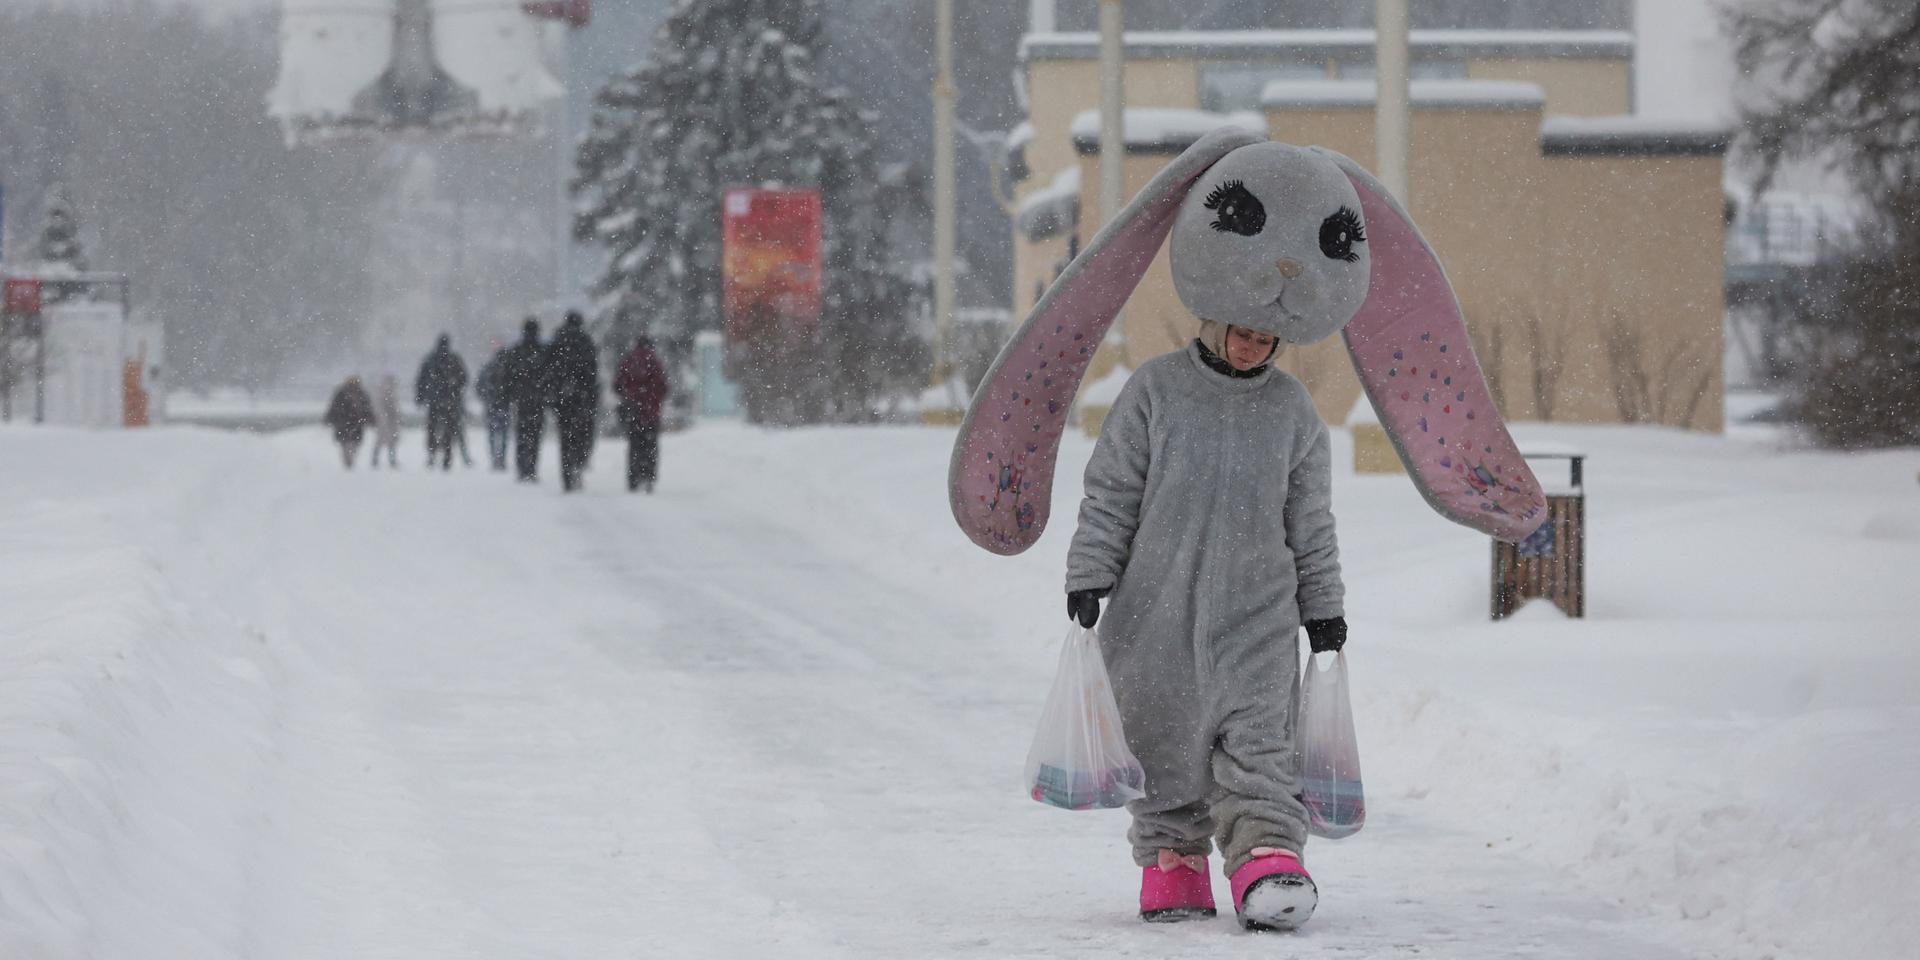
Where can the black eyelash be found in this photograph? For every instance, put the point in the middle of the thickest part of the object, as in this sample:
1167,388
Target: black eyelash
1338,234
1239,210
1220,192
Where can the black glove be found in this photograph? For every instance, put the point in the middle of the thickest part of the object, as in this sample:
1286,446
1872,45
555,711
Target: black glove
1327,636
1084,605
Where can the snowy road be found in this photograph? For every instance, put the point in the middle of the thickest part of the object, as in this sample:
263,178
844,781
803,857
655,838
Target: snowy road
777,710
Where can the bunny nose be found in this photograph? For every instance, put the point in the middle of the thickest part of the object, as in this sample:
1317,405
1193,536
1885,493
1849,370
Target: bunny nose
1289,268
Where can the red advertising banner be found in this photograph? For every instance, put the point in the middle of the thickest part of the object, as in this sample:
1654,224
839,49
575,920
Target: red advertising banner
770,260
22,297
576,13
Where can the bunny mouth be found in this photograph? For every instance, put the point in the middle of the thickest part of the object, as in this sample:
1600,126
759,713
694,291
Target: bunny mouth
1279,304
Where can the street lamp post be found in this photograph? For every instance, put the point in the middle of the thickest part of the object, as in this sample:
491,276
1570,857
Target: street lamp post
1392,128
1113,148
1040,16
563,206
943,190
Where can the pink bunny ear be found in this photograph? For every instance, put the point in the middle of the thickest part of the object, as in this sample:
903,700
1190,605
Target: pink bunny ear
1000,481
1409,343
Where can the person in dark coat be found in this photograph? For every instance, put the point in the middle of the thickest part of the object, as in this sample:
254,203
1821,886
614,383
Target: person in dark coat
497,402
522,375
641,383
349,414
573,387
439,388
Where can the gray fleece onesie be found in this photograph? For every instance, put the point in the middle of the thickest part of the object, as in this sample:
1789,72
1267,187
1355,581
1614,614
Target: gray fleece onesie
1208,511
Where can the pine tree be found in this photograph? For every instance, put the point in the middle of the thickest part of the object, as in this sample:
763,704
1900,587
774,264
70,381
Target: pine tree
1843,85
60,232
730,95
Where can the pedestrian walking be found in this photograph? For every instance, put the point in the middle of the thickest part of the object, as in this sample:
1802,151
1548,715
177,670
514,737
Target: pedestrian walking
496,404
524,380
386,422
439,388
349,414
573,387
641,384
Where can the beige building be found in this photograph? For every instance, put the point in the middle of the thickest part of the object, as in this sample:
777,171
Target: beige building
1586,245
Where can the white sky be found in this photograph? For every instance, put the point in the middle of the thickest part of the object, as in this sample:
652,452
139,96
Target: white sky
212,6
1683,69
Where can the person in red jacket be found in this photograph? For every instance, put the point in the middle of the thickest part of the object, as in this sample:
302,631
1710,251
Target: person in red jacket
641,384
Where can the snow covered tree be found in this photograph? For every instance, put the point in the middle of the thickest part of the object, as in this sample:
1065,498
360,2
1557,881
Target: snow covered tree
59,241
730,95
1838,83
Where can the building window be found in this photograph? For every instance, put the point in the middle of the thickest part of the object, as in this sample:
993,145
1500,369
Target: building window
1422,70
1226,87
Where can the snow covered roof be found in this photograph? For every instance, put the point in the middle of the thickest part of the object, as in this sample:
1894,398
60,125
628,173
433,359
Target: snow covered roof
1245,44
1052,209
1427,94
1628,134
1104,391
340,61
1016,152
1159,129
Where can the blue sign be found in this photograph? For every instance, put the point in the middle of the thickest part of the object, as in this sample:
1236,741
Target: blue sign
1539,543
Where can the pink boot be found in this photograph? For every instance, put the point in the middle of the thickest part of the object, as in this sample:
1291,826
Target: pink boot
1273,892
1176,889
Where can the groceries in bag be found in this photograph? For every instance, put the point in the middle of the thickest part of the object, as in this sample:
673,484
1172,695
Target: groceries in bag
1329,753
1079,759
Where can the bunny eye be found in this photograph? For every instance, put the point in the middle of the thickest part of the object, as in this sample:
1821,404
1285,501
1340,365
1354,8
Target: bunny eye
1236,209
1339,233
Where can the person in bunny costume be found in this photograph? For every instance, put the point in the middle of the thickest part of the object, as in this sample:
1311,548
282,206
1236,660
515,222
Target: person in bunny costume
1207,525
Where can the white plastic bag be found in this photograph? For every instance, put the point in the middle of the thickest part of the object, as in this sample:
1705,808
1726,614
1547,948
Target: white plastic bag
1080,759
1329,753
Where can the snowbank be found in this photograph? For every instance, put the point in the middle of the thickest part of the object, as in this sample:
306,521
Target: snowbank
137,725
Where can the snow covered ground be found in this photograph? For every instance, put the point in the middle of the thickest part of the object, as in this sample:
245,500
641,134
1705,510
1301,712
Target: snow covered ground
255,707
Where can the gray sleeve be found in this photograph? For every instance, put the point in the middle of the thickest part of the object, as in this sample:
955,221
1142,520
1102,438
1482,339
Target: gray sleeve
1116,484
1309,519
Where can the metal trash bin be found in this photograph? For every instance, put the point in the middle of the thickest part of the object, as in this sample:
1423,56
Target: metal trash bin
1552,563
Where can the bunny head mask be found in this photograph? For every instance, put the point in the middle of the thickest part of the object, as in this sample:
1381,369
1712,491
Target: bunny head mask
1298,242
1270,238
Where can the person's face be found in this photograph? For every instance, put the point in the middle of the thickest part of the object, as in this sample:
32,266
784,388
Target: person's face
1247,349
